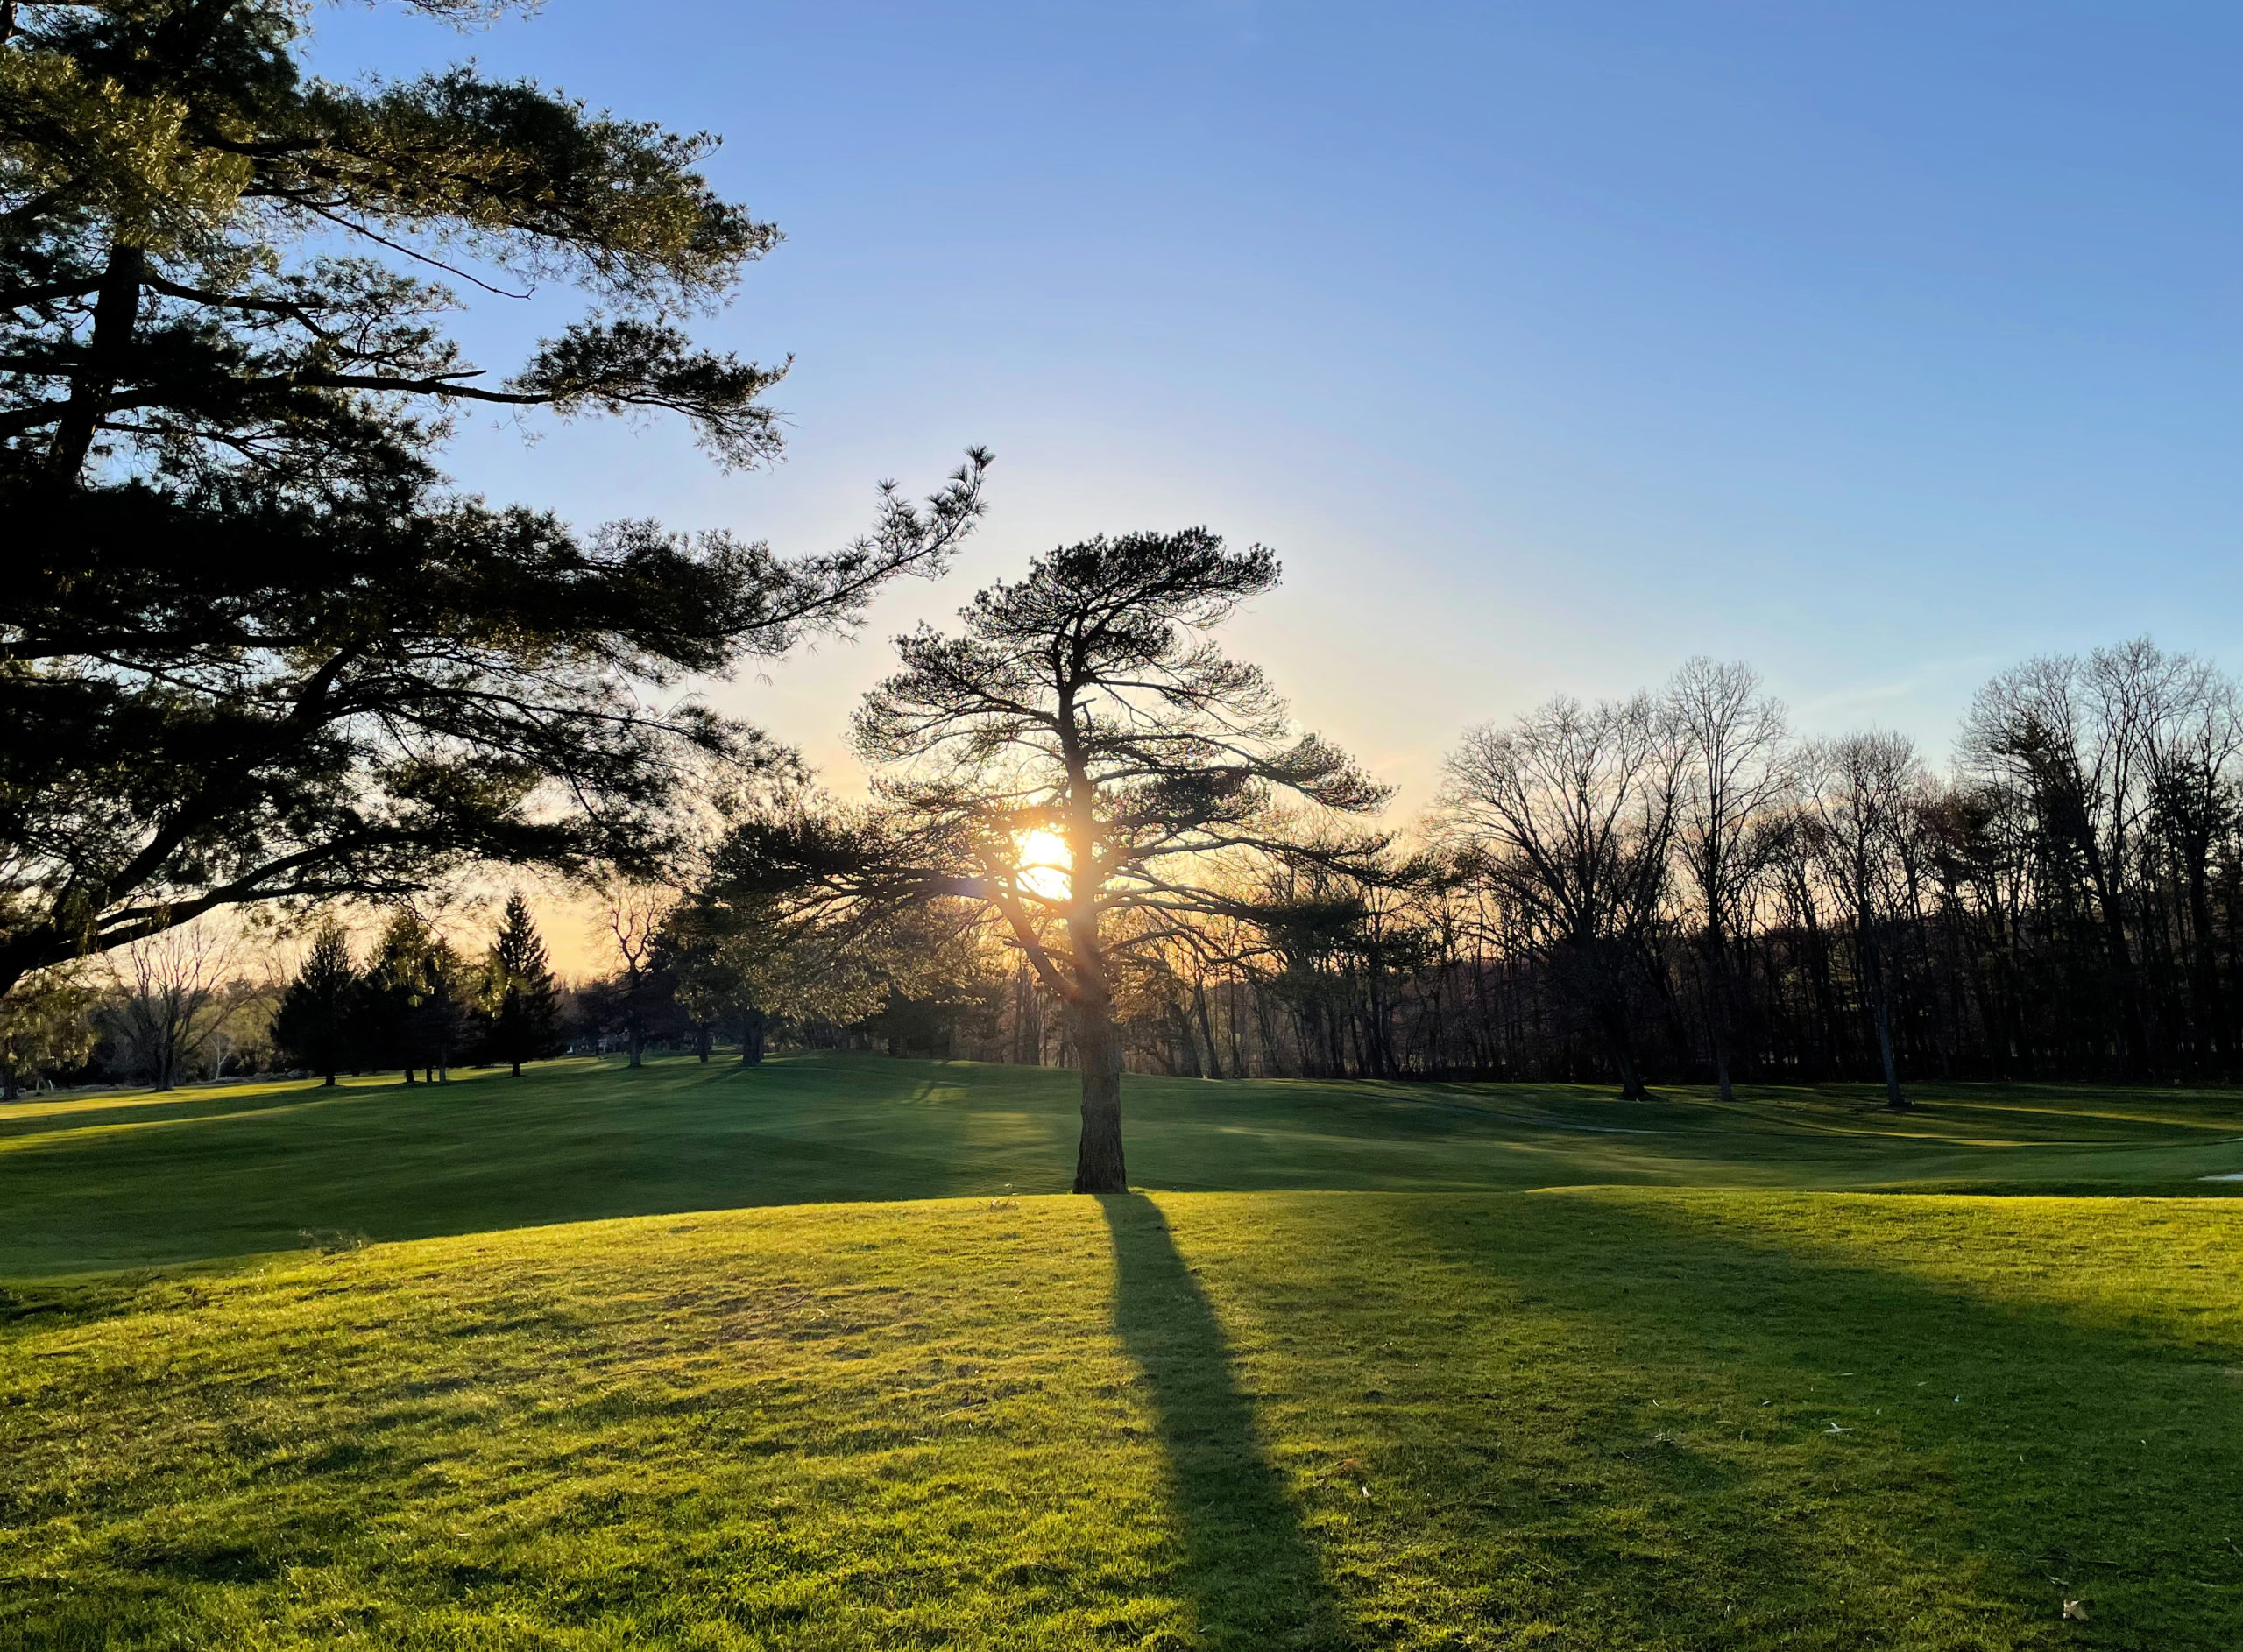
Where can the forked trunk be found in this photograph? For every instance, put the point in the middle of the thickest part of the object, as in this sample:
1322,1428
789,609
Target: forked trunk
1098,1167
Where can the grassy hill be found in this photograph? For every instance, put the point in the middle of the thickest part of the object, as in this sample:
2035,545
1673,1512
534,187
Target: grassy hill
121,1179
1438,1411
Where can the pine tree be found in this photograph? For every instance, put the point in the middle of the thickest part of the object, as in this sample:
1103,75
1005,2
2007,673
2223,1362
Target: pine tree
524,1003
437,1025
318,1019
259,647
397,978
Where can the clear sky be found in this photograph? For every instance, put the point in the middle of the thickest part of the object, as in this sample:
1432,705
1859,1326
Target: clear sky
1881,344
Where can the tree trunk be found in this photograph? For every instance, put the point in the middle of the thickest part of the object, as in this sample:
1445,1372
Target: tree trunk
701,1041
1207,1029
1873,969
1717,988
751,1041
1099,1166
518,1069
1893,1098
329,1083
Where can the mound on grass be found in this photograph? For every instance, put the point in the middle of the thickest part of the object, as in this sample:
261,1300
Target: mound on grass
1597,1418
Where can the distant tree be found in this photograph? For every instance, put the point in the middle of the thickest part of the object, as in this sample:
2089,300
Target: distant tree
256,647
644,991
522,1000
317,1027
1083,767
1860,811
396,981
171,1001
46,1020
437,1025
1734,771
1570,813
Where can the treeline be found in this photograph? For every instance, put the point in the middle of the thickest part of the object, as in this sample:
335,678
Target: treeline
1676,887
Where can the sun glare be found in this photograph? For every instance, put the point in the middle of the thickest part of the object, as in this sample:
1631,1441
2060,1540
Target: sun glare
1043,865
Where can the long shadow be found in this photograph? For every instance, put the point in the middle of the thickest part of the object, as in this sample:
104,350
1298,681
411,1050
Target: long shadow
1254,1578
2030,1449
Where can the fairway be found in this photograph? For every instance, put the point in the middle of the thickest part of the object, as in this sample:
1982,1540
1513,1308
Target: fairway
124,1179
1382,1392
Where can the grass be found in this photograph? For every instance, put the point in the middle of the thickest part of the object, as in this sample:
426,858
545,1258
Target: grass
125,1179
1442,1410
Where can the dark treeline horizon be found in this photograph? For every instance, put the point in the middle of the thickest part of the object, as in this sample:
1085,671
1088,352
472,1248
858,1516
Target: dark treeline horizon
1677,888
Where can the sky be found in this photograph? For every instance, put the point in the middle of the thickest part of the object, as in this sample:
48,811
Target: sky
1879,345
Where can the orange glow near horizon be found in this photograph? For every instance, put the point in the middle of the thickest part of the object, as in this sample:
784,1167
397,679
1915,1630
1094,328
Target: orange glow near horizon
1043,865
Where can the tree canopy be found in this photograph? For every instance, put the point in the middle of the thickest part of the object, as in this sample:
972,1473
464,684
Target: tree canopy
1083,766
256,647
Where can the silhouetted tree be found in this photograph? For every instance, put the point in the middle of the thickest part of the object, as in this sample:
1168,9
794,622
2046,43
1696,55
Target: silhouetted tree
1570,813
522,1000
258,648
1085,703
316,1027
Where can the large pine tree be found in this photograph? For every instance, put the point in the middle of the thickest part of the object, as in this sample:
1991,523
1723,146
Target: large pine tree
253,646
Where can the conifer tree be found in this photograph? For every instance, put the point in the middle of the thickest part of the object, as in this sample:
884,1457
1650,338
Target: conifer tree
522,998
317,1024
1082,715
256,646
437,1026
397,978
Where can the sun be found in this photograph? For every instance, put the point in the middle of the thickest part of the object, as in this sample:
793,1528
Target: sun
1042,864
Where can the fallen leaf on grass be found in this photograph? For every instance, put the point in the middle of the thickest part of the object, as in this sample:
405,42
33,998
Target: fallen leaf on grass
2076,1609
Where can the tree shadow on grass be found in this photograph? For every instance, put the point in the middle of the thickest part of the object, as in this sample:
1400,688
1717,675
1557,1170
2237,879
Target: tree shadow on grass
1251,1573
1987,1454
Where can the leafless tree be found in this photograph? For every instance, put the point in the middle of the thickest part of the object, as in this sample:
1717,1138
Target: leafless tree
1570,811
171,1000
1860,809
1735,768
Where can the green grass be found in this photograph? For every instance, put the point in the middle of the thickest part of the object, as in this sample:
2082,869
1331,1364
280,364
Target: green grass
114,1180
1441,1410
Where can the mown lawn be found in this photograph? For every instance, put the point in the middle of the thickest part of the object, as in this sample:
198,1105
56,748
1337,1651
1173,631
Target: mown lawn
1438,1410
112,1180
1595,1419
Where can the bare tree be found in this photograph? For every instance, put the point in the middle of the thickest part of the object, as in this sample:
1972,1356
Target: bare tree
1734,771
631,919
1860,809
171,1000
2081,738
1570,811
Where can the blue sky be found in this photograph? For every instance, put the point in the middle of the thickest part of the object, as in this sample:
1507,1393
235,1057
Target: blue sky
1879,345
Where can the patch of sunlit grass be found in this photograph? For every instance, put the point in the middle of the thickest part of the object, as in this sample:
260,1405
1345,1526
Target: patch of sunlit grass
1637,1418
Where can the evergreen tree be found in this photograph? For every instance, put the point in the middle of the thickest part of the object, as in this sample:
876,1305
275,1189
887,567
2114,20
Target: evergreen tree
317,1024
397,979
523,1001
1083,769
259,647
437,1028
46,1020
